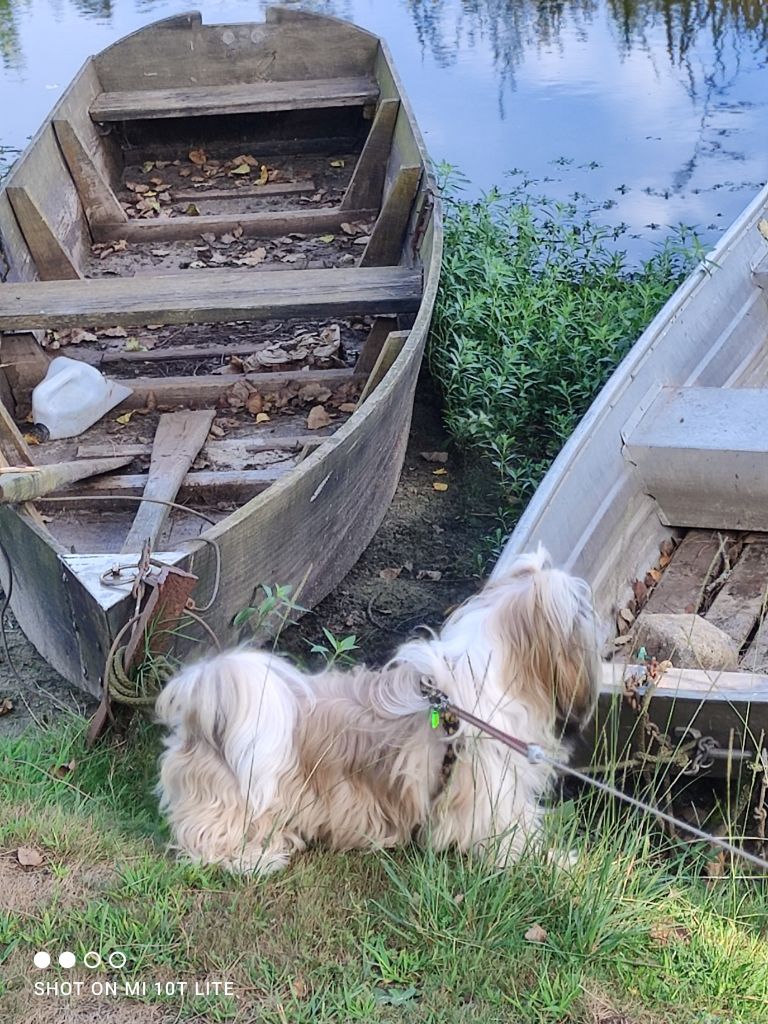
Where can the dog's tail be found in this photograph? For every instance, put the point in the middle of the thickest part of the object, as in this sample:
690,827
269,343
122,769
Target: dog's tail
243,707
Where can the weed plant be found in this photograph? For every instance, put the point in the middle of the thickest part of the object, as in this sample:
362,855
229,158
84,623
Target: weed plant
538,304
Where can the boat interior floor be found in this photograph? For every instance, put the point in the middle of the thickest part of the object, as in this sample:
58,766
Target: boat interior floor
719,575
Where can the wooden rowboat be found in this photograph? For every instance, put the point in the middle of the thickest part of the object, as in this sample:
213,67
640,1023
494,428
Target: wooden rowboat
238,222
660,500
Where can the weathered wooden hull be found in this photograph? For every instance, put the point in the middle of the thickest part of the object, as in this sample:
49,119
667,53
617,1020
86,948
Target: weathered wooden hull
617,490
309,527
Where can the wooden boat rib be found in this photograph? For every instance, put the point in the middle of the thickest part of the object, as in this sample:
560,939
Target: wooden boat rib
238,222
659,499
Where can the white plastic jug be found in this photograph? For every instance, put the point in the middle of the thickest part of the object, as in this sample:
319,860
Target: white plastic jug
73,396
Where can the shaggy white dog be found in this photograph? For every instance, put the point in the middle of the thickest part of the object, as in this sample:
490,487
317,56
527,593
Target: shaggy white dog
262,758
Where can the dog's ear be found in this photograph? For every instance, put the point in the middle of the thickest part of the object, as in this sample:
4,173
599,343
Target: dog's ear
547,625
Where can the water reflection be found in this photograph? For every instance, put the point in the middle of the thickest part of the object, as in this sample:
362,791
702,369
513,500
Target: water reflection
513,27
10,50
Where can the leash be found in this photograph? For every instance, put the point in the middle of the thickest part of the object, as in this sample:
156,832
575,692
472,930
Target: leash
440,705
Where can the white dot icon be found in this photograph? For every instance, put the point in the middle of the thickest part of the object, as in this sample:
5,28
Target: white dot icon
67,959
42,960
117,960
92,959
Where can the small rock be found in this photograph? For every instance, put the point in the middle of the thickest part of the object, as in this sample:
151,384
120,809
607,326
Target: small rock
688,641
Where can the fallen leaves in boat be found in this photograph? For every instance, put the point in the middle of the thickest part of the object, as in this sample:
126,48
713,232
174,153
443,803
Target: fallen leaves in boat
321,350
439,486
317,418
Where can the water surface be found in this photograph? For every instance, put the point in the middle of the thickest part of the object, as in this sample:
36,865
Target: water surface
658,106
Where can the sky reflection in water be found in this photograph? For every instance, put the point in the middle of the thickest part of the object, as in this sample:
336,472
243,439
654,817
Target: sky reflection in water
658,106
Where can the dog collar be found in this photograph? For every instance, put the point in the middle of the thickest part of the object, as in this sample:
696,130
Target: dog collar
439,708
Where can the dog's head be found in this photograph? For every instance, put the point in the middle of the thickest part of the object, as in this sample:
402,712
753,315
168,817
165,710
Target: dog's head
544,623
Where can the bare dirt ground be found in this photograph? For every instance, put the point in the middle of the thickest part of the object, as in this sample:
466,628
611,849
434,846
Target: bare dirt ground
421,563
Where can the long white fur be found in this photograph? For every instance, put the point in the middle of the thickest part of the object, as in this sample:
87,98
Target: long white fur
261,758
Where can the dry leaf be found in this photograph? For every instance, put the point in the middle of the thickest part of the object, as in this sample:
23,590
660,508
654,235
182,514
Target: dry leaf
439,486
197,157
362,240
299,987
262,417
536,934
125,418
160,252
391,573
62,770
762,227
348,407
337,163
134,345
113,332
667,547
6,706
664,561
663,934
227,238
147,166
263,177
348,229
28,857
429,574
434,456
326,238
192,211
241,169
216,430
439,472
32,439
626,615
254,257
317,418
254,404
655,576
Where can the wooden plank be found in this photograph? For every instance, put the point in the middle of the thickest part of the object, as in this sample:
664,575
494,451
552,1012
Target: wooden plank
25,364
182,51
390,350
684,684
199,485
178,439
269,224
206,390
385,245
42,172
366,186
217,449
372,346
99,201
52,261
20,484
238,98
681,586
214,297
16,263
275,188
742,599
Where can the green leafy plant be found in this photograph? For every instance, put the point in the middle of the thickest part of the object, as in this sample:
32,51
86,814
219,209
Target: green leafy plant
278,608
338,649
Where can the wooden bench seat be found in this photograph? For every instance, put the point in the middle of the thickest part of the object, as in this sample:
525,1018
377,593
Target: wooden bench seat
702,453
248,98
215,296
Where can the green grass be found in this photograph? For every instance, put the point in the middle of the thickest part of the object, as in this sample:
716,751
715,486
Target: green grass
537,305
407,936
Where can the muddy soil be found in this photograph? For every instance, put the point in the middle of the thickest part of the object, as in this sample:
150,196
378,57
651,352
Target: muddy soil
422,562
